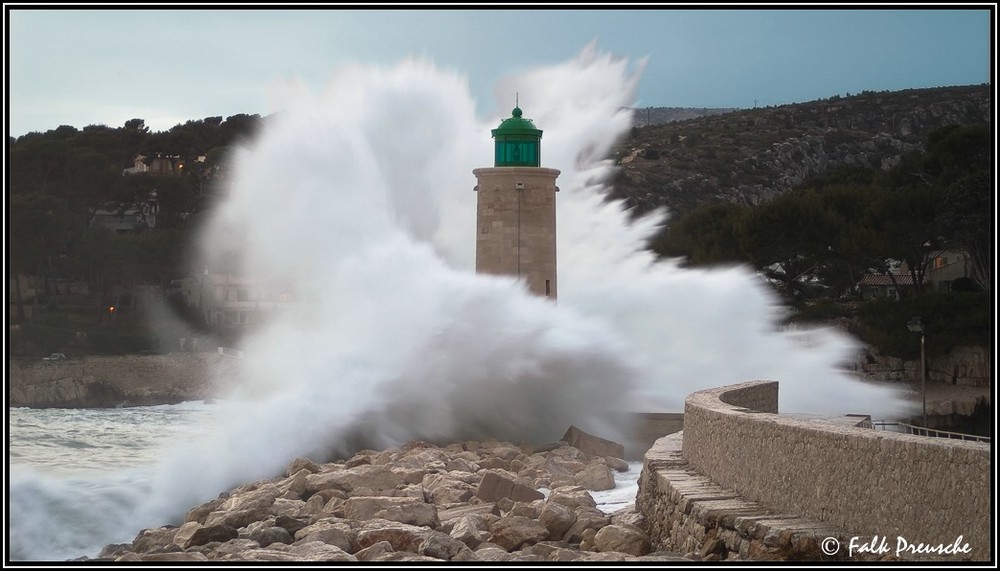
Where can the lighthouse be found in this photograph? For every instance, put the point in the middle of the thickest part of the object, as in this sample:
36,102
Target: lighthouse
516,208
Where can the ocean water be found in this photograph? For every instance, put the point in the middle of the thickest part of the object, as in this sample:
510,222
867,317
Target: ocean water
361,195
77,478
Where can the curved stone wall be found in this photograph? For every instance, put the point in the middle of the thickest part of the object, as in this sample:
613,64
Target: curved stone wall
927,491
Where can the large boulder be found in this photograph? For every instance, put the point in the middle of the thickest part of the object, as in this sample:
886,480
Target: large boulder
302,464
193,533
443,546
402,537
447,489
375,478
259,498
572,496
452,513
408,510
495,486
593,446
150,539
237,518
596,477
587,519
374,552
200,512
330,530
514,532
469,529
557,518
622,538
319,551
268,535
233,547
294,486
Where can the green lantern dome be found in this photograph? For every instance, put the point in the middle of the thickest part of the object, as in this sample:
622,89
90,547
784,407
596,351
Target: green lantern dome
518,142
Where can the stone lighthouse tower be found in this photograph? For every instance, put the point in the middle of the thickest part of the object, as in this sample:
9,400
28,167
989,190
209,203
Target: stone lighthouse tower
516,209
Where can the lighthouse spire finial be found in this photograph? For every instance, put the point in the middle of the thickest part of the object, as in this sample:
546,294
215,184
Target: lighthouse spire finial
516,94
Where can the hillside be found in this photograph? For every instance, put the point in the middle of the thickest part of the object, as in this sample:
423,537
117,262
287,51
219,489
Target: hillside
752,155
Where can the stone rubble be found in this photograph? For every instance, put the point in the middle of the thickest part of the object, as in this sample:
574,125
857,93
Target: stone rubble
470,501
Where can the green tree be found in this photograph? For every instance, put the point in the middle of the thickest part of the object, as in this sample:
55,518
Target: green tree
903,225
705,236
965,216
138,125
787,239
38,233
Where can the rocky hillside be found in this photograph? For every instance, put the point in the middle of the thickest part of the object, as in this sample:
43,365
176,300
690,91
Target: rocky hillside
749,156
644,116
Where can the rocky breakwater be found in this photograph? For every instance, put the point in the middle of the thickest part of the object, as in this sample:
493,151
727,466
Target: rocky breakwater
470,501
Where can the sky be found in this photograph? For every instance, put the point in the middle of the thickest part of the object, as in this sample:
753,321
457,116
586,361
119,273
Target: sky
104,65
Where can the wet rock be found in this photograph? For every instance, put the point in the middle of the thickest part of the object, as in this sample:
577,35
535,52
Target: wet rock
149,539
553,551
319,551
408,510
557,518
572,497
446,489
232,547
622,538
469,529
331,531
200,512
616,464
442,546
266,536
514,532
302,464
375,478
495,486
402,537
193,533
374,552
591,445
596,477
176,556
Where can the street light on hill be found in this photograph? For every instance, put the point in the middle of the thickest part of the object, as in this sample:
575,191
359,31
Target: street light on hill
916,326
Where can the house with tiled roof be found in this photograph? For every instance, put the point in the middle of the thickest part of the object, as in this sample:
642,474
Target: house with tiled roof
885,286
944,268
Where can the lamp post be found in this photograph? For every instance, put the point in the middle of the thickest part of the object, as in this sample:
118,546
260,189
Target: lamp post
916,326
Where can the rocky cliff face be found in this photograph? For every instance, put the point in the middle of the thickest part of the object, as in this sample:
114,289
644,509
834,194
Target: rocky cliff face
750,156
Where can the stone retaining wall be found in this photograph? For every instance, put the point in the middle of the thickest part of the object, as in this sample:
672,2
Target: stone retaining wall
873,483
963,366
690,514
109,381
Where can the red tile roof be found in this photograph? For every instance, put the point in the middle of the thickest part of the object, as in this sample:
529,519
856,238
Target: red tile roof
885,280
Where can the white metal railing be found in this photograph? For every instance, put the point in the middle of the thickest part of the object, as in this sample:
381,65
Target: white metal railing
905,428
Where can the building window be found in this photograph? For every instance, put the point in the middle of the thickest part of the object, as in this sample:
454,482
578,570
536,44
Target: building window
240,317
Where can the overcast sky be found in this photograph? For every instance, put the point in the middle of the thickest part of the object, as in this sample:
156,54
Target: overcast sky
104,66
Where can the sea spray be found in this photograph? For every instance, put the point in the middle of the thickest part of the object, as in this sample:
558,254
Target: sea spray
361,197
